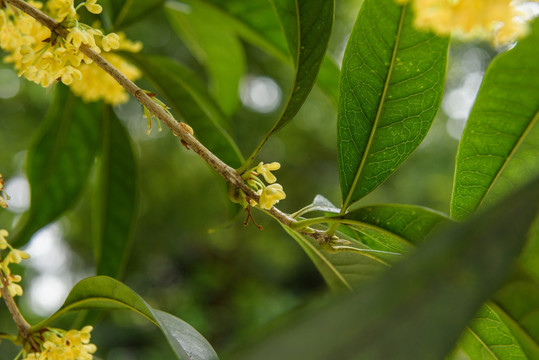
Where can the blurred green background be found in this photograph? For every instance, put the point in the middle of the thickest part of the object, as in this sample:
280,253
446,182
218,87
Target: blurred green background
192,256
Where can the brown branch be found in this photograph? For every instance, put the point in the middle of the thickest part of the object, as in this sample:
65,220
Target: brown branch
22,325
227,172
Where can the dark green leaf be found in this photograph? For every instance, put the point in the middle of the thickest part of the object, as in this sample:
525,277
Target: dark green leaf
125,12
504,116
104,293
189,99
440,286
59,160
215,44
391,86
116,198
344,270
307,25
257,23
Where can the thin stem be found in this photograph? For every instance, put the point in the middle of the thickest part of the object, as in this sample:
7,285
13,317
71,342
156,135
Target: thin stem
227,172
22,325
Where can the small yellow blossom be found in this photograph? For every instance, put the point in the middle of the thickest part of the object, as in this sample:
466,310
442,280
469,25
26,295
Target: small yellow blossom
3,241
111,41
498,21
265,171
271,195
58,344
93,7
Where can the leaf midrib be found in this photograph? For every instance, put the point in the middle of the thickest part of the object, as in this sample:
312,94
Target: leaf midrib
378,113
510,156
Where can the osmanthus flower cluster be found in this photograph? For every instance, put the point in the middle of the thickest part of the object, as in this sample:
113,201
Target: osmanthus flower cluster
58,344
269,194
498,21
45,58
14,256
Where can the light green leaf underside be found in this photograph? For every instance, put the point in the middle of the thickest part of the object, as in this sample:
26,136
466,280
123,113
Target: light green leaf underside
256,22
441,285
60,160
189,99
503,119
392,82
307,26
116,198
346,270
104,293
215,44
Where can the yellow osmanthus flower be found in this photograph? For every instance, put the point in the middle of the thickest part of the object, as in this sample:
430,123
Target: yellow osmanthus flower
498,21
46,58
58,344
14,256
266,169
271,195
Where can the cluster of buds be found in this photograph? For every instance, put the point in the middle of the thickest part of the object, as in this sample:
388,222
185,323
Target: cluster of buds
500,22
269,194
58,344
3,195
45,58
14,256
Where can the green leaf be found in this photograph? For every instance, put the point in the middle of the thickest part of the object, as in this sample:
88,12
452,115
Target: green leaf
104,293
505,113
215,44
116,198
408,222
307,25
189,99
487,337
256,21
60,160
125,12
344,270
392,81
439,286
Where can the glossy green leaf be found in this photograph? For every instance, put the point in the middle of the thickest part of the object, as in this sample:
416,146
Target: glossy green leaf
487,337
307,25
189,99
215,44
257,22
392,81
505,113
125,12
104,293
344,270
440,286
116,198
60,160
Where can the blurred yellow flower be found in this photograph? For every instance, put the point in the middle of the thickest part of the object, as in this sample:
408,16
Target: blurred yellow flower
498,21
